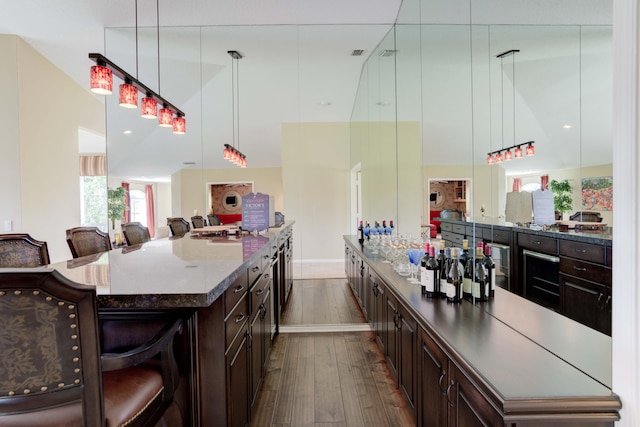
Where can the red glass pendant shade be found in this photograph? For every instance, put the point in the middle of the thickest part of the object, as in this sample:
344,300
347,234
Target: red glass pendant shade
165,118
149,109
101,80
128,96
179,125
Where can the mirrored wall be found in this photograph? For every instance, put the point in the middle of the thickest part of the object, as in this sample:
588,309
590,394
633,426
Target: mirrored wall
457,101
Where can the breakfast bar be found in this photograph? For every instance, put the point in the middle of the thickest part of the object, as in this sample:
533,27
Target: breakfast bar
229,291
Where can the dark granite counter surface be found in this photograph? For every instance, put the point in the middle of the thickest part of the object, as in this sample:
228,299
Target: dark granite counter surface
168,273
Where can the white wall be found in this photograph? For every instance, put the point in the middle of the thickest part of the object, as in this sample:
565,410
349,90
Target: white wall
42,194
315,177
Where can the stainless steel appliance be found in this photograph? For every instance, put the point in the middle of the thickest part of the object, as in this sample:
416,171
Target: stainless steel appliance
541,278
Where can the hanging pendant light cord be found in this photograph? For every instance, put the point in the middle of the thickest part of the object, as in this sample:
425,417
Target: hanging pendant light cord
238,100
233,101
513,72
158,39
502,100
136,39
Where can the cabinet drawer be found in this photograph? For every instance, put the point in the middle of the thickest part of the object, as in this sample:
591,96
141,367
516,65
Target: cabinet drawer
452,239
265,258
254,270
468,230
583,251
458,228
547,245
586,270
233,294
258,291
235,321
609,260
446,226
496,236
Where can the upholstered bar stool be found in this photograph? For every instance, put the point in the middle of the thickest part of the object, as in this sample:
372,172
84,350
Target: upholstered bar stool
22,250
52,372
178,226
85,241
135,233
198,221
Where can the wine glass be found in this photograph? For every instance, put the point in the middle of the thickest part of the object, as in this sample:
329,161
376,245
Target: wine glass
414,258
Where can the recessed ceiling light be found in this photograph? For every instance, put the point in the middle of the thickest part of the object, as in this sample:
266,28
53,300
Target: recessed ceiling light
127,132
324,103
567,127
383,103
188,163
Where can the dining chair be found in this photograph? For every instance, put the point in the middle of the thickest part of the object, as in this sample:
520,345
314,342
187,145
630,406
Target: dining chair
85,241
22,250
213,219
178,226
52,371
135,233
198,221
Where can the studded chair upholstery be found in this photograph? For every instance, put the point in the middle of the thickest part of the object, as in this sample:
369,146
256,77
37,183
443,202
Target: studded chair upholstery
22,250
198,221
85,241
213,219
52,372
178,226
135,233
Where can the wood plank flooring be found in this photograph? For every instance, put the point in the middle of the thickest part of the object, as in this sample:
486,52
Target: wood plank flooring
327,379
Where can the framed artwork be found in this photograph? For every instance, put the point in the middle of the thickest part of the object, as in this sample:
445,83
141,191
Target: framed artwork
597,193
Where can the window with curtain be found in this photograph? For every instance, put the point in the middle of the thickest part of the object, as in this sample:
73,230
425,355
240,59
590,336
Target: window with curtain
93,191
138,210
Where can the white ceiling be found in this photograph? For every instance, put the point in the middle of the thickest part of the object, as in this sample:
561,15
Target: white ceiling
288,70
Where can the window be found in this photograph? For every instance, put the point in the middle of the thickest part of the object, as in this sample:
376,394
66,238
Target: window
531,187
138,206
93,201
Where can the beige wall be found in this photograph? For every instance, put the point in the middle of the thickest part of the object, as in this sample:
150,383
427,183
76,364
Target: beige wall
315,177
50,110
189,187
574,176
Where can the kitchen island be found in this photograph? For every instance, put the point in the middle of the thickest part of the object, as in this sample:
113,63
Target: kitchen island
228,290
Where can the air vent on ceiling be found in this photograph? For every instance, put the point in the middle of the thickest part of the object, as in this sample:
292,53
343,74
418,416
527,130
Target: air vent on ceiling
357,52
386,52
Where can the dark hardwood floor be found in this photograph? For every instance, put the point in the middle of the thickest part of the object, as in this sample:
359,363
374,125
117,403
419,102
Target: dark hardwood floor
327,379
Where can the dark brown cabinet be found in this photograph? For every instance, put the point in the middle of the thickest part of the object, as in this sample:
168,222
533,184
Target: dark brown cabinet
447,396
378,305
238,381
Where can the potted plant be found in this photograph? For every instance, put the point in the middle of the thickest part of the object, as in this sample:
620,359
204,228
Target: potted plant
116,205
562,196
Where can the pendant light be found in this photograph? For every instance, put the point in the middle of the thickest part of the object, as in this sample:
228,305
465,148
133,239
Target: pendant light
101,79
128,95
102,83
497,156
230,152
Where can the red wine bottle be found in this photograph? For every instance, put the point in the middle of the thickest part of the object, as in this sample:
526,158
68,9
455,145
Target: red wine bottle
454,280
429,274
491,269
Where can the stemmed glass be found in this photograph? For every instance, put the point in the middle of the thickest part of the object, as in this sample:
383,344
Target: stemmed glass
414,259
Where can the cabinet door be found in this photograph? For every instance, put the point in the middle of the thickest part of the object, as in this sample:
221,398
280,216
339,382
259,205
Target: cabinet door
379,311
238,383
407,337
255,355
268,324
467,406
391,334
433,367
586,302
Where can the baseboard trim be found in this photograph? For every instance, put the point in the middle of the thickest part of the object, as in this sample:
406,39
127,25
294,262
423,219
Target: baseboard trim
347,327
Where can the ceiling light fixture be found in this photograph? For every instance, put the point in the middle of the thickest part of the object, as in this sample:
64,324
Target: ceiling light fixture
230,152
497,156
102,83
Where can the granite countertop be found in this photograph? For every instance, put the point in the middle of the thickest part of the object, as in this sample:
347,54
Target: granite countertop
187,272
603,238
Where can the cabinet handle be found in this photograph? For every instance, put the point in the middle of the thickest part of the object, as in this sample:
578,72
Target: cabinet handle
238,289
536,242
254,269
239,318
579,268
260,291
442,375
266,276
600,295
608,300
581,251
263,311
451,384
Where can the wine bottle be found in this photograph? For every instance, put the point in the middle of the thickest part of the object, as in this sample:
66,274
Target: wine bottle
445,266
479,288
454,280
360,233
467,279
491,269
464,256
428,271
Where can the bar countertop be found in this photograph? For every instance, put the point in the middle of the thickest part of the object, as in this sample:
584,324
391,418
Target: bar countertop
186,272
521,350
